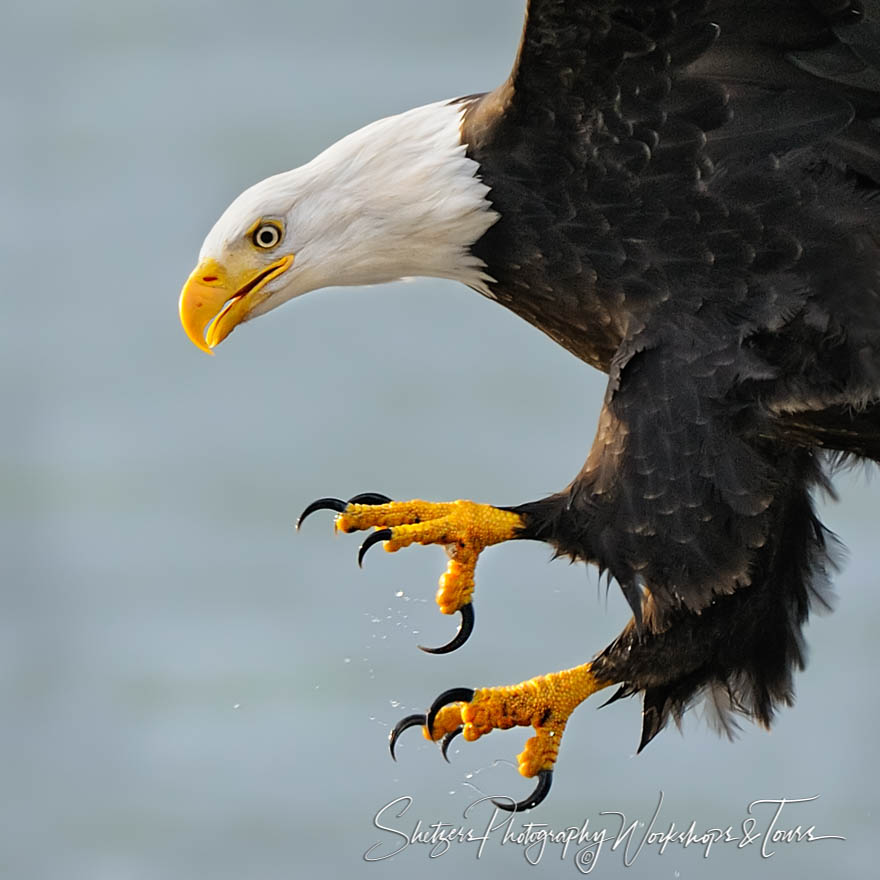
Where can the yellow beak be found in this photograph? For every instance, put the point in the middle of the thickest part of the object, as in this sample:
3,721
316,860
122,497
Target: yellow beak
211,295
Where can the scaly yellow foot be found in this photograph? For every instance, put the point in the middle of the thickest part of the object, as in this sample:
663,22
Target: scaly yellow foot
463,527
544,703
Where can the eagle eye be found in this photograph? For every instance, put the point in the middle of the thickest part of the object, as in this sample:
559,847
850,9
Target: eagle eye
266,236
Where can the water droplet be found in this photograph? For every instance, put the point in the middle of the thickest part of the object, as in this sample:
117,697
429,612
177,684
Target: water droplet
236,706
399,594
347,660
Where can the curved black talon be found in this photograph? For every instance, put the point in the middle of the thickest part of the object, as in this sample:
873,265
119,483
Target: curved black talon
542,789
370,498
375,538
336,504
453,695
448,738
465,628
403,724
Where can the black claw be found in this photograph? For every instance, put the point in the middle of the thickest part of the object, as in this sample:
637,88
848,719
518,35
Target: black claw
375,538
448,738
336,504
370,498
453,695
403,724
542,789
465,628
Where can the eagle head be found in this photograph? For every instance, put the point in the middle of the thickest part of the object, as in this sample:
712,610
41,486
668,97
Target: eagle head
397,198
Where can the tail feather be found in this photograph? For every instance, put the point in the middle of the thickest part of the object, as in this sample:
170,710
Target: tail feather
840,428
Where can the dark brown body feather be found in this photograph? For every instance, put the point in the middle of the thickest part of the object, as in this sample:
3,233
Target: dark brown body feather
685,193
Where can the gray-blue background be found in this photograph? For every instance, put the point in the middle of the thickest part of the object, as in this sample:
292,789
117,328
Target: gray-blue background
187,687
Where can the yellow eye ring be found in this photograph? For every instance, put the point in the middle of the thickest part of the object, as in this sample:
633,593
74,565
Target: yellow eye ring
266,236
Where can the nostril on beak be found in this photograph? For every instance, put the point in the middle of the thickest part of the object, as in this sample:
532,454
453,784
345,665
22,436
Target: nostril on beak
209,278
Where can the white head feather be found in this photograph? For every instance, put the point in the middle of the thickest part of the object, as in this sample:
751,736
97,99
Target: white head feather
397,198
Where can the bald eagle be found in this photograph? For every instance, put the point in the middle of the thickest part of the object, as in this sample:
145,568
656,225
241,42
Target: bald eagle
682,194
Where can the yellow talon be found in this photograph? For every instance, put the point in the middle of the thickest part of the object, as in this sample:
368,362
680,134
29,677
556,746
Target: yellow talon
448,720
463,527
544,703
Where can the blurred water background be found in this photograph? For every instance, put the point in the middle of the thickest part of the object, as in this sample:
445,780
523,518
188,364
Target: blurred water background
190,689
